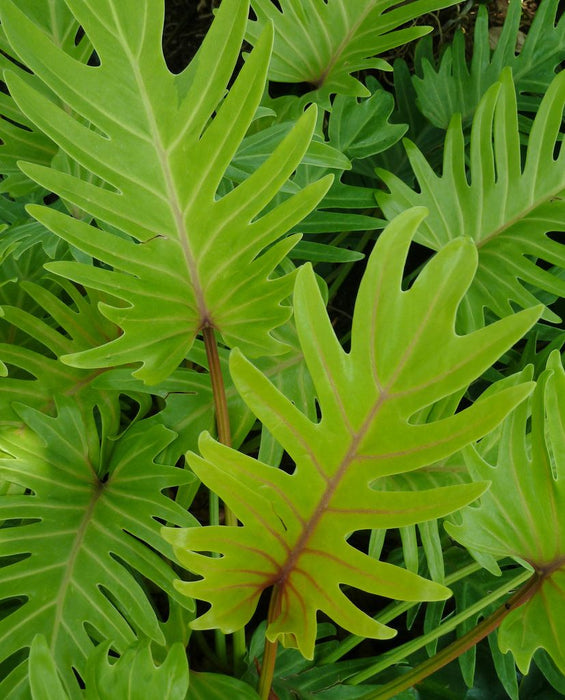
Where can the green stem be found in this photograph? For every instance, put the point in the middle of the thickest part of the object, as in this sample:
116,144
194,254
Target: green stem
391,612
346,268
455,649
224,436
211,657
270,653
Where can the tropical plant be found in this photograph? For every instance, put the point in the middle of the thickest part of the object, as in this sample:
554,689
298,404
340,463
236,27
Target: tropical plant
453,86
194,413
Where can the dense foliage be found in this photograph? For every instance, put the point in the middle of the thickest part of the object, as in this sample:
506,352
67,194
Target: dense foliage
219,475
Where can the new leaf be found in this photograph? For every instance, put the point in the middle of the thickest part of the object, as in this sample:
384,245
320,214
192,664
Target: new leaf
405,355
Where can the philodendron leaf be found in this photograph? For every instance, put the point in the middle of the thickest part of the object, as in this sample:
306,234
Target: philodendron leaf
506,208
163,143
78,324
324,42
135,676
361,129
523,514
404,356
453,86
77,543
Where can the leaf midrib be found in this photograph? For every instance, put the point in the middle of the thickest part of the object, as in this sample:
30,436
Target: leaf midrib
69,569
312,524
319,82
357,437
523,214
171,193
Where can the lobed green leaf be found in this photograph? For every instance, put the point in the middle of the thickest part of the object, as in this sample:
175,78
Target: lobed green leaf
161,144
80,536
295,526
322,42
506,208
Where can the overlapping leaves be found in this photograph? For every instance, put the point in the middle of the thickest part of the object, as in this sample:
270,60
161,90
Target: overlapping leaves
134,675
322,42
19,138
75,543
35,376
162,143
453,86
295,526
507,208
523,515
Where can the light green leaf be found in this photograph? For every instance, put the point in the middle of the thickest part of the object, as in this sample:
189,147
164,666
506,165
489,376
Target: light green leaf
135,676
64,328
523,515
44,679
322,42
405,356
506,208
162,143
81,538
444,473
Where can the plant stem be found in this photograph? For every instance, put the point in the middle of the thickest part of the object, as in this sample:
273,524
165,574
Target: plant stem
459,646
218,387
270,653
224,436
346,268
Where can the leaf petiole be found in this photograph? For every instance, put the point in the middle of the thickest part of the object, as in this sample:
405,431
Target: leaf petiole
224,436
270,654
